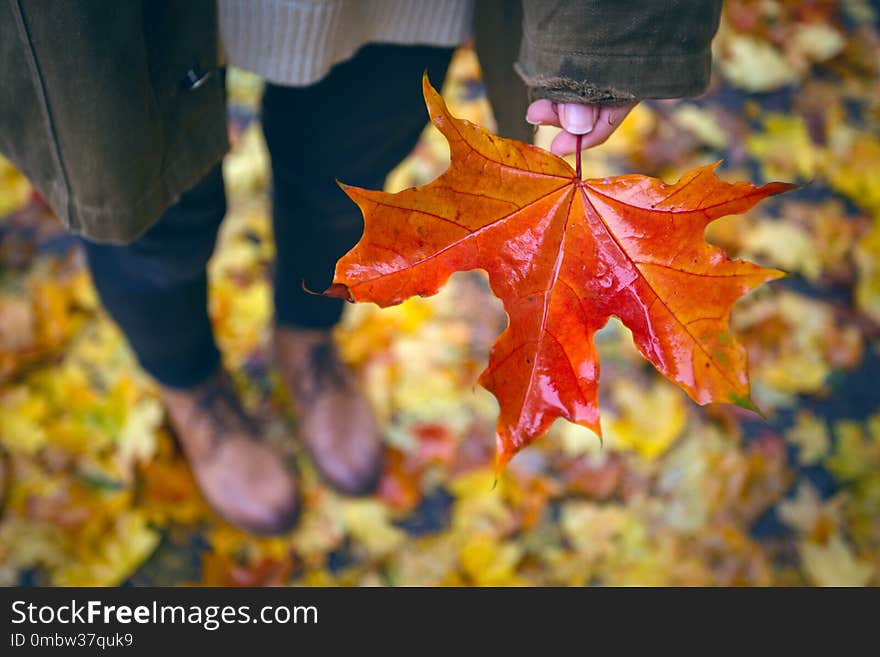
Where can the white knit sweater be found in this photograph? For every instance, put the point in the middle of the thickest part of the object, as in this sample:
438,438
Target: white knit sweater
296,42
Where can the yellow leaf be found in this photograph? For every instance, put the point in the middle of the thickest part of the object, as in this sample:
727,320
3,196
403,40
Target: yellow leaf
479,506
246,168
810,434
855,453
809,515
700,123
137,438
784,148
647,421
112,558
785,246
867,258
853,169
14,188
592,529
488,562
22,417
368,523
752,64
795,341
834,564
817,42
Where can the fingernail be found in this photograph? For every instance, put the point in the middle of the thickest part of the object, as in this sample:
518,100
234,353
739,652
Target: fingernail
576,119
531,121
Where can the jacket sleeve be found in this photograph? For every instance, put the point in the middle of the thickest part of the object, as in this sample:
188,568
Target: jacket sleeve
613,51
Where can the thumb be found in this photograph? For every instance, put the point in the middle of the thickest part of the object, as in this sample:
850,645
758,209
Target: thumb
576,118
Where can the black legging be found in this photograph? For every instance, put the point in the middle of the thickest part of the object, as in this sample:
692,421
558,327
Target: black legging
355,125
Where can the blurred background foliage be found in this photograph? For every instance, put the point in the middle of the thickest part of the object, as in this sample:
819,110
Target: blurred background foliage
96,491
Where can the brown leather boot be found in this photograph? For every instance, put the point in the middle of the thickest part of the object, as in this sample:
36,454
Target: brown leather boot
337,424
243,479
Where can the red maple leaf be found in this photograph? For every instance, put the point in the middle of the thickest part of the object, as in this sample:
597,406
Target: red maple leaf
563,255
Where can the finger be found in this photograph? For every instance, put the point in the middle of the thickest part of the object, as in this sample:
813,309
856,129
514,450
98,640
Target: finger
609,119
563,144
576,118
542,112
617,113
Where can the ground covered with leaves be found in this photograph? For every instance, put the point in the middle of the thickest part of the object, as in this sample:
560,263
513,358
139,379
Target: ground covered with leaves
96,491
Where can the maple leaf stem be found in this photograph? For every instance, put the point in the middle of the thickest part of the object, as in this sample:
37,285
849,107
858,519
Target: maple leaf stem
577,156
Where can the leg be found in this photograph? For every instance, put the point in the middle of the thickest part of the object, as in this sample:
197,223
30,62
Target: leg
355,125
156,290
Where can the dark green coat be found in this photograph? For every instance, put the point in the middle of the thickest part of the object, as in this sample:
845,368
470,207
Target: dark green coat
113,108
